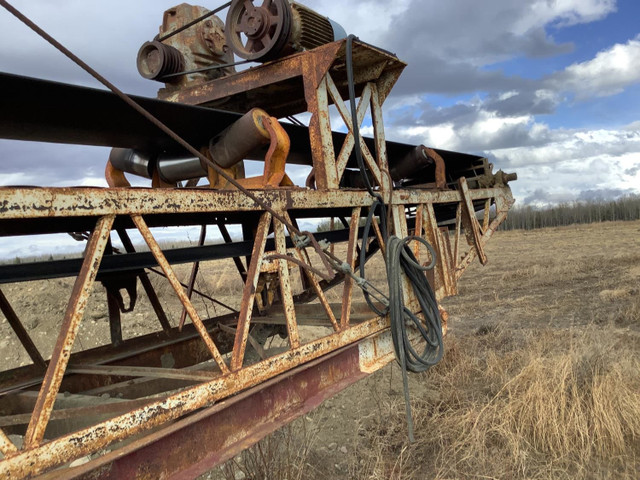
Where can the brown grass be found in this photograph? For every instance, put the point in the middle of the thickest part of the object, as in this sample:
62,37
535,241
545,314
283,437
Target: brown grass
540,379
552,403
541,376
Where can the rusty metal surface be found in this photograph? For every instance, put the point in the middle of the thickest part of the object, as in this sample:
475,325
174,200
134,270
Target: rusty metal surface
6,446
184,347
192,277
168,453
276,86
347,291
173,280
249,292
73,315
259,33
285,286
36,460
128,371
161,412
470,222
31,202
358,346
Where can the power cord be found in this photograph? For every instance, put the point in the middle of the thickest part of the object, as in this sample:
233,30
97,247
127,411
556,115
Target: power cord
399,259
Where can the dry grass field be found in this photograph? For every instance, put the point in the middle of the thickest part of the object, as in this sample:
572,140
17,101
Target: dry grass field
541,375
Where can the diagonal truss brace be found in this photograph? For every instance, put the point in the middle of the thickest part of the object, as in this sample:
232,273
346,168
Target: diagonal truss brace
70,325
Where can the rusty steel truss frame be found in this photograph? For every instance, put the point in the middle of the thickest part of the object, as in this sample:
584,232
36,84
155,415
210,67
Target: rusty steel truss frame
231,376
180,421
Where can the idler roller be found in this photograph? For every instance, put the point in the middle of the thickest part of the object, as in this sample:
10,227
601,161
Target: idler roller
413,162
240,139
171,169
237,142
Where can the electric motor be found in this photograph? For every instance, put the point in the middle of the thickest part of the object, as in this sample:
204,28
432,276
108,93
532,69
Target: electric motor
276,28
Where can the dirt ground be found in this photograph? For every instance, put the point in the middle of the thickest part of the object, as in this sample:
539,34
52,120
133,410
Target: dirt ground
555,288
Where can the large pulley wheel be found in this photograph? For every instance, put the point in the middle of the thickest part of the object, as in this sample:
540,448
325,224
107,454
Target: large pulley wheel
258,33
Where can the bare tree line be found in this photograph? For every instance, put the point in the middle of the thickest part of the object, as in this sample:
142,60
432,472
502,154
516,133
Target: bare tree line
528,217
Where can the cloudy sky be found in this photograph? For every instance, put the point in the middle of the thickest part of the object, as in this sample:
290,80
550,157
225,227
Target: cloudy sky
547,88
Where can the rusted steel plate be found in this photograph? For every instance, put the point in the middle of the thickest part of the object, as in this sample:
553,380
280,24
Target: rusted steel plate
228,427
22,203
267,85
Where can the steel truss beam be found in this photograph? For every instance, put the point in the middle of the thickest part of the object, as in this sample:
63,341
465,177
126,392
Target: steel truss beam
211,393
237,375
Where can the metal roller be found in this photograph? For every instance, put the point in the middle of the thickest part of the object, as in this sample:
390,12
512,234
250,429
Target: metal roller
240,139
236,143
171,169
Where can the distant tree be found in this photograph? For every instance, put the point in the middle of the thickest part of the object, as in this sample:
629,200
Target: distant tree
528,217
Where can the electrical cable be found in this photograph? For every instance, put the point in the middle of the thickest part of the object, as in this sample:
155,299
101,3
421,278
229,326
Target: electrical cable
399,259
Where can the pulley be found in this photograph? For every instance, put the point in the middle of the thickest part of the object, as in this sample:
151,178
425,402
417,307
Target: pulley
276,28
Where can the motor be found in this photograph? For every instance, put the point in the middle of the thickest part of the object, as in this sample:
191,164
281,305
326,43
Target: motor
276,28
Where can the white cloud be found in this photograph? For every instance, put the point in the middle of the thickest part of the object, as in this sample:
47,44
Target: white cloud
563,12
573,161
485,131
19,178
608,73
575,145
447,45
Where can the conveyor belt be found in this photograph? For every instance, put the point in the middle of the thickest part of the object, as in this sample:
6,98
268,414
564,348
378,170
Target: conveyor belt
45,111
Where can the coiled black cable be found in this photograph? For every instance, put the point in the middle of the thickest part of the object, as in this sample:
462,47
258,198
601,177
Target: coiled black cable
399,259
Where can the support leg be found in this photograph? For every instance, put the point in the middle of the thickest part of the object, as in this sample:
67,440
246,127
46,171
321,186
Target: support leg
22,334
146,284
